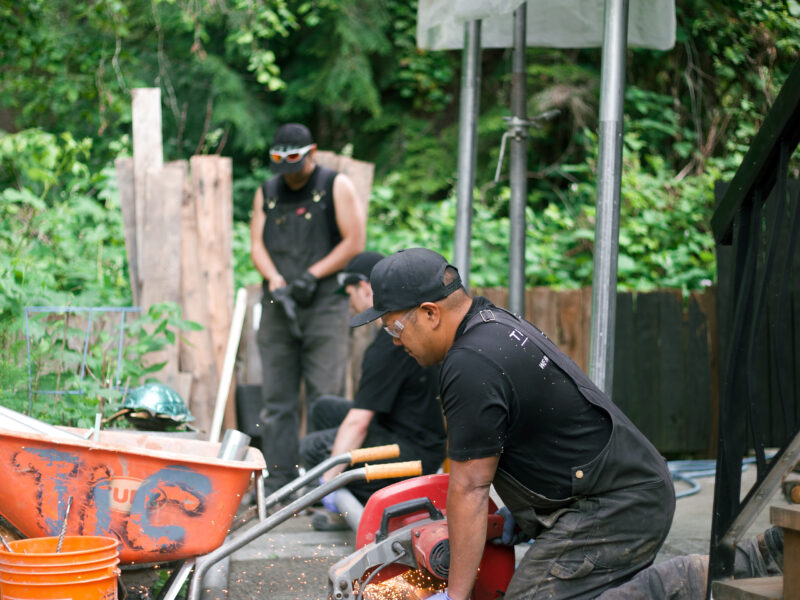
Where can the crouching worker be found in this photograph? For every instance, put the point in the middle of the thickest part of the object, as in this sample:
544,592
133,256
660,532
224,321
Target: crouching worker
396,403
574,471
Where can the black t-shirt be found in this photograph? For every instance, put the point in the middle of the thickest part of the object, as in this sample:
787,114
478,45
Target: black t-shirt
500,398
402,394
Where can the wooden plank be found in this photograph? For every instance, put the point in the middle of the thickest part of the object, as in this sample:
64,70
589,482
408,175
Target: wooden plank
249,359
215,264
625,376
570,324
788,517
127,201
196,351
360,338
496,295
698,378
210,176
159,261
672,373
542,310
360,173
147,151
648,384
707,304
762,588
586,303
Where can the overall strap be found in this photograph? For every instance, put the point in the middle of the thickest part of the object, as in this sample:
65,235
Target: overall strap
527,332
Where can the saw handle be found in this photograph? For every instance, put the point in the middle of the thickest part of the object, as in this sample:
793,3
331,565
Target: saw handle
391,470
374,453
406,508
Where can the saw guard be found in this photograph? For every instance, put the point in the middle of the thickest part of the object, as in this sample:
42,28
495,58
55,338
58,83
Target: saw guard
386,534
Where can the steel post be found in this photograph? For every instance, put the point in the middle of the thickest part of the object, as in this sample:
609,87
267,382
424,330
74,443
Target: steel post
467,145
518,167
609,169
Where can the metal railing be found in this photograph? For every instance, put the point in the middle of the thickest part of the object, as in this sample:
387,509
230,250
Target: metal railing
759,217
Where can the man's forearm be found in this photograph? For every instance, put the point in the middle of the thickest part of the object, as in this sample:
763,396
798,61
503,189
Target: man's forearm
466,519
351,435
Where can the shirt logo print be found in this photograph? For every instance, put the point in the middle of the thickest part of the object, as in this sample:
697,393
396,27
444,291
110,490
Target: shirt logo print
519,336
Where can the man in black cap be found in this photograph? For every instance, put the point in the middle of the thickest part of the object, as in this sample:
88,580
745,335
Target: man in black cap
396,402
573,471
307,223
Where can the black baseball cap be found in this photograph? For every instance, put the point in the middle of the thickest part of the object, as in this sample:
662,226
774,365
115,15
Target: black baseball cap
358,269
291,136
404,280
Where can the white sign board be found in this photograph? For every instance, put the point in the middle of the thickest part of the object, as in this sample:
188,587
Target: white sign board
550,23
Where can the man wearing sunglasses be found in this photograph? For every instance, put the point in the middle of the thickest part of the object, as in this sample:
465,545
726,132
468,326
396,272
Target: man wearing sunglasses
307,223
395,403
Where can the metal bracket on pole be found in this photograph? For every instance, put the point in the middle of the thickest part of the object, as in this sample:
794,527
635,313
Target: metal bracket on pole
518,130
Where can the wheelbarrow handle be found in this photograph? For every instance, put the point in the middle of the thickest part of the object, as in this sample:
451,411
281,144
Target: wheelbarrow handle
360,455
410,468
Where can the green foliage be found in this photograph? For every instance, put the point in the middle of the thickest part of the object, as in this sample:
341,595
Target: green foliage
665,240
62,245
65,365
231,70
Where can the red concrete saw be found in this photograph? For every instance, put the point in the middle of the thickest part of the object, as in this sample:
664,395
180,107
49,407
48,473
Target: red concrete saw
403,550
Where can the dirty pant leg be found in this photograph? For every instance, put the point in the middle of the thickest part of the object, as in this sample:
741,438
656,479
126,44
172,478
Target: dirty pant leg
280,366
686,577
325,346
680,578
602,542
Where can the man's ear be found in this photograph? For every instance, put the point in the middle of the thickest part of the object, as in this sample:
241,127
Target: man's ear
431,313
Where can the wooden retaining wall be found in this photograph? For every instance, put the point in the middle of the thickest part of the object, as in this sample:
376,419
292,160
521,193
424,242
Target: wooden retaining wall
665,357
665,376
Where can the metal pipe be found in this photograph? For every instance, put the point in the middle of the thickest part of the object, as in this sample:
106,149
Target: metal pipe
467,145
349,506
205,562
518,167
609,174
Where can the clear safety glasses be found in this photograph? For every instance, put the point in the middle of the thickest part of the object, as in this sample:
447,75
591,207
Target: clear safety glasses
397,327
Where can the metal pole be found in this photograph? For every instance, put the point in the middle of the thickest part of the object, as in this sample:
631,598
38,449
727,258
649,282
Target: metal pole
609,170
467,145
519,167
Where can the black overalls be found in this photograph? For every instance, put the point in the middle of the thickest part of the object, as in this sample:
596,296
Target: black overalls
621,506
299,230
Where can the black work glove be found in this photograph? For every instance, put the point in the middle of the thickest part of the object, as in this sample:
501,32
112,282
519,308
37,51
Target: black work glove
303,289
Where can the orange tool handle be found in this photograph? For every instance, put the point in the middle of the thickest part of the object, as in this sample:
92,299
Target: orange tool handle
374,453
390,470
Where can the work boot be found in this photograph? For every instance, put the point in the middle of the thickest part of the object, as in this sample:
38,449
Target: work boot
325,520
770,544
760,556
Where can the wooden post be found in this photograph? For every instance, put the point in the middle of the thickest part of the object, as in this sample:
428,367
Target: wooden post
196,351
127,201
160,244
212,188
147,151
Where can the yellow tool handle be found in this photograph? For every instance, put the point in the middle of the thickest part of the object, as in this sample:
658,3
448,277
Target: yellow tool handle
374,453
391,470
